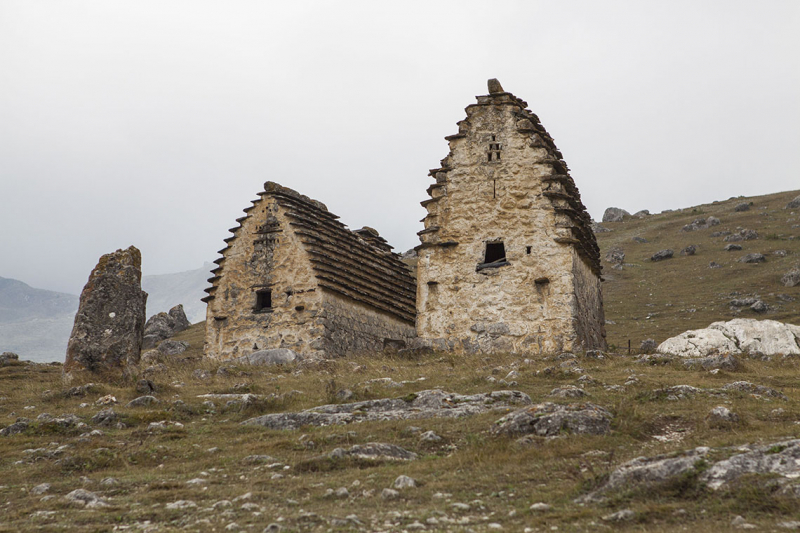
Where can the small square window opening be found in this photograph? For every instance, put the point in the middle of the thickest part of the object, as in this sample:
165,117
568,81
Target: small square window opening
495,252
263,301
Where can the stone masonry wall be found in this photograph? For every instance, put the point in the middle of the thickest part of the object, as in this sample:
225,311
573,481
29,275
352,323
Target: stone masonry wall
589,315
264,255
354,328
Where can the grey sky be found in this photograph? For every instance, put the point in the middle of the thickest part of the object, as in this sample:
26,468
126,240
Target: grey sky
154,123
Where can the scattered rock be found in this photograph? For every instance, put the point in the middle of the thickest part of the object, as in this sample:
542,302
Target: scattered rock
568,391
714,264
430,436
615,214
615,255
640,240
40,489
661,255
419,405
85,498
372,451
752,388
689,250
145,386
759,307
752,258
17,427
794,204
540,507
106,417
163,326
721,415
549,419
181,504
390,494
642,214
620,516
170,347
648,346
109,324
142,401
732,247
741,335
404,482
701,223
744,206
791,278
722,361
597,228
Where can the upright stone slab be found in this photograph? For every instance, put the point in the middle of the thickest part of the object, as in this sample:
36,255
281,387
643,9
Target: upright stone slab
109,325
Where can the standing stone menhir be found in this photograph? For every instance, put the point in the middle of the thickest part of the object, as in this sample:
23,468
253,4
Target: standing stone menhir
109,325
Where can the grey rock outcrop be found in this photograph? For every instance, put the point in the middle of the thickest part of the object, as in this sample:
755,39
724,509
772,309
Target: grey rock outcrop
744,206
738,336
615,214
689,250
732,247
642,214
549,419
752,258
424,404
794,204
661,255
791,278
778,462
162,326
109,325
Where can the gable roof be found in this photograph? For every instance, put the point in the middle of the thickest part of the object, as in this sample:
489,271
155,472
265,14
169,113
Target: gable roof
357,265
565,199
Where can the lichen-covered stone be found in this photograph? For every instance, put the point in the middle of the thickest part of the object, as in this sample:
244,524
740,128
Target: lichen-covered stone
109,324
741,335
507,242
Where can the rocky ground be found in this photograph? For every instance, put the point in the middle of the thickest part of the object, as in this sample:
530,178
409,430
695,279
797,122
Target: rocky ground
736,258
382,443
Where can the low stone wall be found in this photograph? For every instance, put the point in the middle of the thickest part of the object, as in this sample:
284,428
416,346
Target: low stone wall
352,328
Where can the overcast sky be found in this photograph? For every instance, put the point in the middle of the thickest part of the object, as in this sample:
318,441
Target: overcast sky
154,123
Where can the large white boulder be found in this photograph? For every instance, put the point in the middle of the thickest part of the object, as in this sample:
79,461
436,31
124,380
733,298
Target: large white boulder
741,335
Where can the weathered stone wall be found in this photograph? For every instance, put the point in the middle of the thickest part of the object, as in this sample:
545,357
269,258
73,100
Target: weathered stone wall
503,180
354,328
264,255
589,315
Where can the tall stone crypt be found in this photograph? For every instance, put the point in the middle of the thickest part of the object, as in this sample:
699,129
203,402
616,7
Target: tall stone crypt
508,261
292,276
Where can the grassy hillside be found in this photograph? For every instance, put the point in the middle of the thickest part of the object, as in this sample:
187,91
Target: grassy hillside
660,299
494,478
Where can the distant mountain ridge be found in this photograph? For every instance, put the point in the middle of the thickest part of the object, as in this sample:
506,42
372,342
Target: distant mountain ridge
36,323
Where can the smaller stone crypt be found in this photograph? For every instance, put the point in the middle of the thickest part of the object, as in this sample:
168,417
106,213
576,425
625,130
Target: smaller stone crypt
292,276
